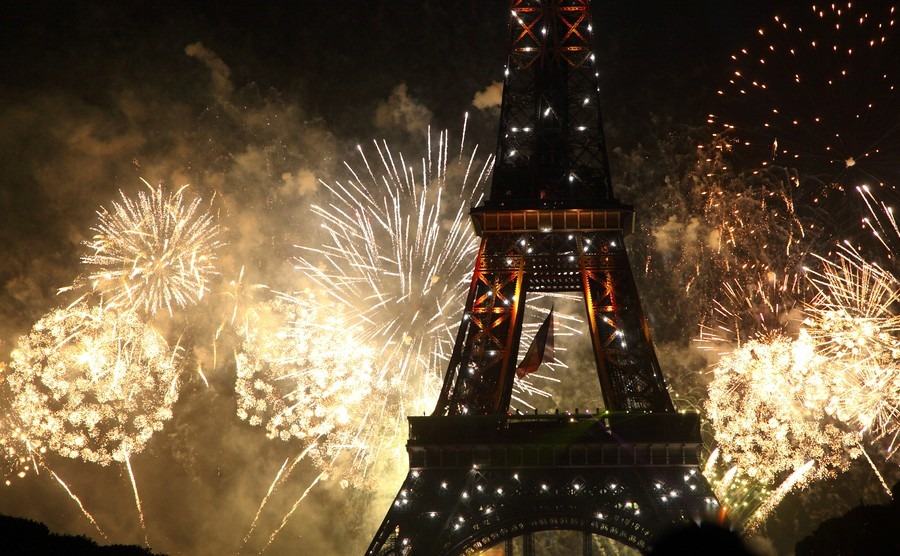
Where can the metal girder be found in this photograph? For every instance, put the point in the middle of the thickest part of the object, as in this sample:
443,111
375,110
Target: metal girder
480,376
551,148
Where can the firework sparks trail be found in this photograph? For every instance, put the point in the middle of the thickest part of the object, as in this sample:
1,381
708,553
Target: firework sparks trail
883,223
77,501
741,496
884,485
817,91
746,501
280,477
398,254
238,299
754,307
293,509
798,477
137,498
88,381
154,251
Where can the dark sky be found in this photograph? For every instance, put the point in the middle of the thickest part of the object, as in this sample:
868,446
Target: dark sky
239,99
338,57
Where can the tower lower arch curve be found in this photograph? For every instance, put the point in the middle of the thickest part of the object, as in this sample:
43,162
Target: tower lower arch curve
622,531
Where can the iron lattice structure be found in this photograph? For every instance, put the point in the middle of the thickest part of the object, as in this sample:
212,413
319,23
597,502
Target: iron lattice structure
480,476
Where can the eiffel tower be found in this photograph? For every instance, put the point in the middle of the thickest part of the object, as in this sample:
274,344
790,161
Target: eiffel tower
481,475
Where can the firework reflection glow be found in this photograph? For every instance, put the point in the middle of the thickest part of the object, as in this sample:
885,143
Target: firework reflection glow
152,252
93,383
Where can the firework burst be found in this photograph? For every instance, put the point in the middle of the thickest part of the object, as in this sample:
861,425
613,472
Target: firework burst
93,383
766,398
303,374
753,316
817,91
156,251
398,253
765,404
855,327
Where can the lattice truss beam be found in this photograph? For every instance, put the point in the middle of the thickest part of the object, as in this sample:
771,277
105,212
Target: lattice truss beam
481,372
550,121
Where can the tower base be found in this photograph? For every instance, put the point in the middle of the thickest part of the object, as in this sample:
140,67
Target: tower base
478,481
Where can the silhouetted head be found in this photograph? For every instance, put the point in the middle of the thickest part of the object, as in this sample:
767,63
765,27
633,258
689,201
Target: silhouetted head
703,539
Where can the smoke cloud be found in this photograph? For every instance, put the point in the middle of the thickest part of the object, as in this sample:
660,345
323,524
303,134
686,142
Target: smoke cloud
402,112
489,98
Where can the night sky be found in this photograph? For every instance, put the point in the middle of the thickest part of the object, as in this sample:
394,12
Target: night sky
248,103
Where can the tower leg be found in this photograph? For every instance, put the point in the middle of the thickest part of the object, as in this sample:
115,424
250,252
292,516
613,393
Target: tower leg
528,545
587,544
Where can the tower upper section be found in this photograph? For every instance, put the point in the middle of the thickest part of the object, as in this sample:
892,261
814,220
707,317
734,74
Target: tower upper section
551,151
